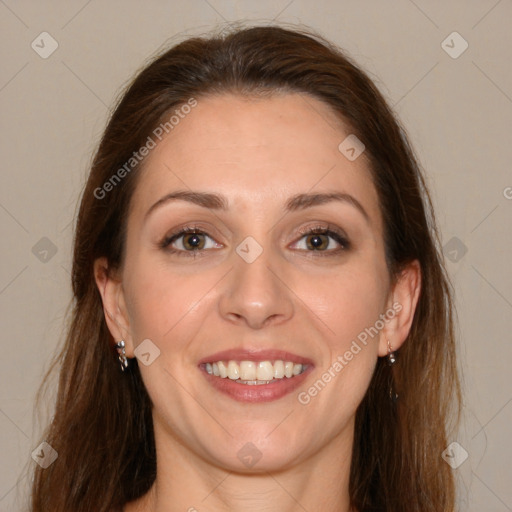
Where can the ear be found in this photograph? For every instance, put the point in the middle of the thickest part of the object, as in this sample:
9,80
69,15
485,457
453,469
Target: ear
402,301
114,306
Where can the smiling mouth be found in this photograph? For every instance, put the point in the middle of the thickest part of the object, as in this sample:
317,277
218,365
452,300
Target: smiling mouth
254,373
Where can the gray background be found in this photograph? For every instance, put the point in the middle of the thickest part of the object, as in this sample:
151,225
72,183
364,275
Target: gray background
458,112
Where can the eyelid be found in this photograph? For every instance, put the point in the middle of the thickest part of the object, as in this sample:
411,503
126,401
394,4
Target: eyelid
322,228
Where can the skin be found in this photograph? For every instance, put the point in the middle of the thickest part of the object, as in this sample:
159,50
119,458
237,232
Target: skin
257,153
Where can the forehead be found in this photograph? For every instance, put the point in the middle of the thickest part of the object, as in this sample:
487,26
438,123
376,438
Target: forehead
255,150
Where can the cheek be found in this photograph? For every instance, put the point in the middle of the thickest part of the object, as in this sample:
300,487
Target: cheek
348,301
161,302
348,304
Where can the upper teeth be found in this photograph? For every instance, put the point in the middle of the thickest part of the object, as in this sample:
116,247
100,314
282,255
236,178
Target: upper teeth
254,370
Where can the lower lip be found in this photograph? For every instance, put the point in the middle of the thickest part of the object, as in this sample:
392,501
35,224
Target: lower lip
257,393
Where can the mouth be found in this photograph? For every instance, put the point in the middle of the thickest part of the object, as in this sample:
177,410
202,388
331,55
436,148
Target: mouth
250,376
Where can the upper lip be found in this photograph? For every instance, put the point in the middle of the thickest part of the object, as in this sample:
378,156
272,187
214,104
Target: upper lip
237,354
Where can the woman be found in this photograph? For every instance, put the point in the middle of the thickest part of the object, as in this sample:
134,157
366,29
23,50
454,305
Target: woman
262,319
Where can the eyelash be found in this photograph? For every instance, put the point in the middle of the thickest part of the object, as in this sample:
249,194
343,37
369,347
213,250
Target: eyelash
330,231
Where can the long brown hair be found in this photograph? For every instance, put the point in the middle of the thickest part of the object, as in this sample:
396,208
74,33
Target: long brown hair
102,427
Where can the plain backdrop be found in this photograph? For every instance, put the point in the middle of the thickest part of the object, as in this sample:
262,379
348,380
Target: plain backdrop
455,102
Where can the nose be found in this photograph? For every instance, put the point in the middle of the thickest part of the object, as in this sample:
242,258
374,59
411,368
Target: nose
256,293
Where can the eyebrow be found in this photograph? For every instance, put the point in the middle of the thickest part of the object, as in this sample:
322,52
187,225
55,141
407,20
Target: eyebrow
294,203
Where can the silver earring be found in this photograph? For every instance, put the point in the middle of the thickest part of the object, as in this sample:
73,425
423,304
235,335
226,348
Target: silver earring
120,347
391,355
393,395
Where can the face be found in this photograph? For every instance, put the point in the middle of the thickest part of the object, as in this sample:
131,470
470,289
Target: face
279,274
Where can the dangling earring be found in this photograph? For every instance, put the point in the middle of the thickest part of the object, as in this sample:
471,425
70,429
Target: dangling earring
393,395
391,355
122,355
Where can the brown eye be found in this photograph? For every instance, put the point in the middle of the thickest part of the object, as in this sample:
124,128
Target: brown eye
317,241
189,242
323,241
193,241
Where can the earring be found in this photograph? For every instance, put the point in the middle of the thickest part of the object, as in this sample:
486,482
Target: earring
391,355
120,347
393,395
